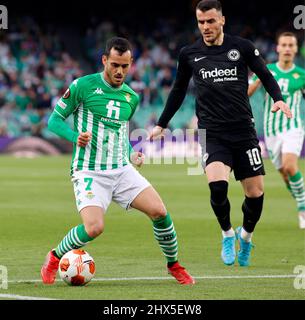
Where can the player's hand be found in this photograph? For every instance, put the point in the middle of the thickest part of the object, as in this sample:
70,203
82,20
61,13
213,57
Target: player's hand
137,158
281,105
157,133
83,139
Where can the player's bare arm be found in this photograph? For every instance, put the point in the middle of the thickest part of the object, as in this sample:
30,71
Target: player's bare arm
253,87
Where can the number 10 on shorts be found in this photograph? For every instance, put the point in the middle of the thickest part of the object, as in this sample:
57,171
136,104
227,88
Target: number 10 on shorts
254,156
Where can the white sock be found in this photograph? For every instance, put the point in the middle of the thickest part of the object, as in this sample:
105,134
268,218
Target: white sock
246,235
229,233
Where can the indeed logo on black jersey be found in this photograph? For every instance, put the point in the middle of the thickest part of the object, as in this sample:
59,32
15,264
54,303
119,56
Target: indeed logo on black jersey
219,75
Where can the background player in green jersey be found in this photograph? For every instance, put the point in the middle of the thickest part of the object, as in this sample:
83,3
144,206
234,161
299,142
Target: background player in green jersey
102,105
284,137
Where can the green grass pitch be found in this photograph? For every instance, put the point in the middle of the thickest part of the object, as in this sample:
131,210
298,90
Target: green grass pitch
37,210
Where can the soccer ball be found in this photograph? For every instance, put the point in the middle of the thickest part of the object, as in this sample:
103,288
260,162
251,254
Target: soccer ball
76,267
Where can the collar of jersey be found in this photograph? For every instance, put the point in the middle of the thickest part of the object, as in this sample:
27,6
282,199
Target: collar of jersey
285,71
109,85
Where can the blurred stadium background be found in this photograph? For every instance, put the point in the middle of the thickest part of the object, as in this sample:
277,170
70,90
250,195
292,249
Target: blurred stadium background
50,44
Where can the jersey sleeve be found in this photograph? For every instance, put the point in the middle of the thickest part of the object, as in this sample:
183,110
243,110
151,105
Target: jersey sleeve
58,125
134,104
258,66
70,101
178,92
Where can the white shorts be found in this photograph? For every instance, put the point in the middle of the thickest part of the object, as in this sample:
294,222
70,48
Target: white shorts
99,188
286,142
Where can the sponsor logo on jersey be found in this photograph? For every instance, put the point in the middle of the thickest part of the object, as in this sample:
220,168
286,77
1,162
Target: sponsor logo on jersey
62,104
98,91
219,75
66,94
233,55
112,120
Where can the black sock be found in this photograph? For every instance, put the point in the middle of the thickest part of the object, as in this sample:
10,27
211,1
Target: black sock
220,203
252,209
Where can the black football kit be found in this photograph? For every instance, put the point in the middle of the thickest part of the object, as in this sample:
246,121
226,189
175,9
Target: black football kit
220,75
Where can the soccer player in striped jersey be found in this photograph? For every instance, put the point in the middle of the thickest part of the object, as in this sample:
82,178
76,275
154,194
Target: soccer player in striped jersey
284,137
101,105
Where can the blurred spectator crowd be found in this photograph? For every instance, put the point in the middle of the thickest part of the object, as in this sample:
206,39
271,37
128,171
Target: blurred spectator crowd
36,67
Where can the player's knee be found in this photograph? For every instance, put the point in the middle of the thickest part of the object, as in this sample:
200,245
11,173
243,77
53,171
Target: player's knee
255,193
158,211
289,169
219,191
254,190
95,229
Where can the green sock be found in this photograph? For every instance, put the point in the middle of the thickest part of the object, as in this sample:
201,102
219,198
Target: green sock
76,238
165,234
298,190
289,189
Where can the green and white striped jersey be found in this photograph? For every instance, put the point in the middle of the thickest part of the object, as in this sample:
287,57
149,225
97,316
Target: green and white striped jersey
104,111
291,83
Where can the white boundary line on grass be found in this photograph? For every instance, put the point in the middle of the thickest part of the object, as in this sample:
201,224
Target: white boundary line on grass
18,297
268,276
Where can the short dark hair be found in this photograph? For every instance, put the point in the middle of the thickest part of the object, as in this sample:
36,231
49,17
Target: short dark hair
286,34
119,44
205,5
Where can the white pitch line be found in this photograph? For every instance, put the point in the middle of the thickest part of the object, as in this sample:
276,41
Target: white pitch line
18,297
268,276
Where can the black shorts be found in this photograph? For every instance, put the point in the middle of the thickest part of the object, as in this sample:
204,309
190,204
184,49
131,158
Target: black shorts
243,157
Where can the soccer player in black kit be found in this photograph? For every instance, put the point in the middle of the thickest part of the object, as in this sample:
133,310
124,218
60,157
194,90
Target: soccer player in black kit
219,63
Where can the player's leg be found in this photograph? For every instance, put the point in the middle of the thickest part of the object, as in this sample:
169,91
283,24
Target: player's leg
252,209
253,204
274,146
291,150
79,236
149,202
249,169
218,176
91,199
217,165
296,181
136,192
285,178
